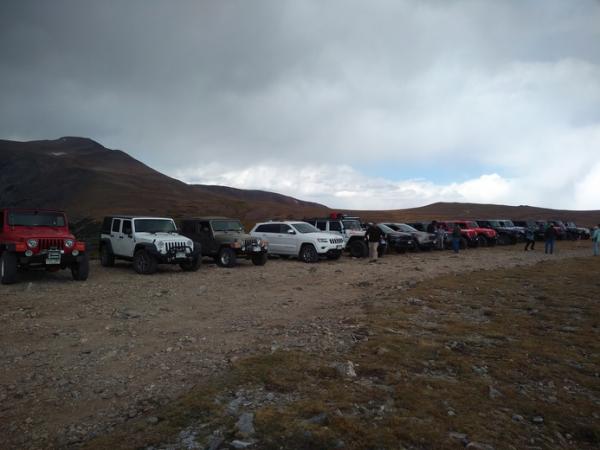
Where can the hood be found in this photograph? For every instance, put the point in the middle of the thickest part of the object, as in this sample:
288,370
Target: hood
231,236
164,237
41,232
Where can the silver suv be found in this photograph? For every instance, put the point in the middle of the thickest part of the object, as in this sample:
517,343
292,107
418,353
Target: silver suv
300,239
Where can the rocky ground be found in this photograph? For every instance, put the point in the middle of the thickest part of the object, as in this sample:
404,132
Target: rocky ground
79,359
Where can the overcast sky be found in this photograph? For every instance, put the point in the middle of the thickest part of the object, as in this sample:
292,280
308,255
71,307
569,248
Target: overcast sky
355,104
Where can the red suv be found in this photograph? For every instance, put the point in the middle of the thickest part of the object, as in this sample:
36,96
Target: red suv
469,236
485,236
35,238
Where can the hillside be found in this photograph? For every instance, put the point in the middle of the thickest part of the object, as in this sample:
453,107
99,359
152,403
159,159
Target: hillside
89,181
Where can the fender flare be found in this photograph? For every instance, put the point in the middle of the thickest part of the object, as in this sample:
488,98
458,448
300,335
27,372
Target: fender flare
107,243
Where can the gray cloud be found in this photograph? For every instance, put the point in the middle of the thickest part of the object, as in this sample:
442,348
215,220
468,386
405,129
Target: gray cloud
499,86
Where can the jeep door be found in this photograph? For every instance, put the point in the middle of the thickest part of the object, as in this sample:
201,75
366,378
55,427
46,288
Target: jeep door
210,246
272,233
119,244
288,240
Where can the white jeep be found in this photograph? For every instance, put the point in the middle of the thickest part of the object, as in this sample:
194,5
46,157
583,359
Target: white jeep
300,239
147,242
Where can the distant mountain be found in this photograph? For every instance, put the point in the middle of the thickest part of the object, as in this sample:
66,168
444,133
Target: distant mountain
89,181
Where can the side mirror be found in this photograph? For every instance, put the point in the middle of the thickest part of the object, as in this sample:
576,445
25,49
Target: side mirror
291,232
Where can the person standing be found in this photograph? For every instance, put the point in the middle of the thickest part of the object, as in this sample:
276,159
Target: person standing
456,237
549,236
432,227
529,238
596,240
440,235
374,236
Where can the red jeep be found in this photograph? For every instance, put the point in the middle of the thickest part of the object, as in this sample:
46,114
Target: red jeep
485,236
469,237
38,239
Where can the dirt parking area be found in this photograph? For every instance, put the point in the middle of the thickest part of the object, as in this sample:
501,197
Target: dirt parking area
77,359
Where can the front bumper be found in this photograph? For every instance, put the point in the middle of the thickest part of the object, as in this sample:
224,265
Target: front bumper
176,255
324,249
52,258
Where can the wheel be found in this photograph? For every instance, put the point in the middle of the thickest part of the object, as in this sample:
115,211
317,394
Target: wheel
260,259
333,255
358,248
226,257
8,268
308,253
107,259
491,242
503,239
144,263
191,266
80,270
463,243
482,241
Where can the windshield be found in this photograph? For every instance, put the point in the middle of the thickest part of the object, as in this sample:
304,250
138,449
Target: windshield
36,219
352,225
405,228
494,223
305,228
385,228
508,223
154,226
472,224
227,225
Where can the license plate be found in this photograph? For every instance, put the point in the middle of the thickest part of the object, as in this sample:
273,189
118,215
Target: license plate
53,258
338,247
180,255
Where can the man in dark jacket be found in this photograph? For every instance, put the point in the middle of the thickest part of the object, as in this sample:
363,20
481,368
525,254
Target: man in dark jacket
373,235
549,236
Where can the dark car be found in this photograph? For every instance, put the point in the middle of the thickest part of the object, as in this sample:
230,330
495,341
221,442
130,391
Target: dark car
422,239
574,232
397,240
225,240
538,231
506,235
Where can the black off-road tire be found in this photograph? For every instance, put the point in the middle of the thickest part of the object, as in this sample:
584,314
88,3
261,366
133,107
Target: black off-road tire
491,242
226,257
482,241
260,259
107,259
464,244
80,270
308,253
8,268
144,263
191,266
358,249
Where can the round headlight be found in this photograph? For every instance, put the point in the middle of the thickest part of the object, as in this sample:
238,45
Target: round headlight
160,245
32,243
190,244
69,243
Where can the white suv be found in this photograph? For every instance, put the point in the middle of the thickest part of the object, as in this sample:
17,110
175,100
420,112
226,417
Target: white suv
299,239
147,241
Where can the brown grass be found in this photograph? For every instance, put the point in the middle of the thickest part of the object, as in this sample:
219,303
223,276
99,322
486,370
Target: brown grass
426,370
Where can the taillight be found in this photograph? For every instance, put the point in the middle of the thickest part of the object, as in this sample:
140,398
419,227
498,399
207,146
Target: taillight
20,246
80,246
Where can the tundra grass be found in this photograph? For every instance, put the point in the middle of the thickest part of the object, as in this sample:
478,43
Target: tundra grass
506,358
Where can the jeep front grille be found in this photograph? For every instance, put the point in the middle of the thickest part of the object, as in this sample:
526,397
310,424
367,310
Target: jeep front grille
336,241
47,244
250,242
175,246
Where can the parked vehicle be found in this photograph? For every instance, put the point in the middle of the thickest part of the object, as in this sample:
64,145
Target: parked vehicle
348,227
469,236
419,226
485,236
560,228
147,242
510,225
225,240
421,239
398,241
35,238
299,239
506,235
574,232
538,232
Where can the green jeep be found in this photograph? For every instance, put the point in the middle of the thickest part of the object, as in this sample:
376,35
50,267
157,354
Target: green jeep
225,240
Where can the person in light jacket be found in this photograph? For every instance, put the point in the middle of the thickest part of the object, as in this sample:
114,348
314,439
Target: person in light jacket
596,240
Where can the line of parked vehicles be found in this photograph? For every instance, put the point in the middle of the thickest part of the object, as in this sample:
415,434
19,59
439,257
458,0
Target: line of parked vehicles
35,238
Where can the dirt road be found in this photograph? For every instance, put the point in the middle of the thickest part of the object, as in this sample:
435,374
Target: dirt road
79,358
